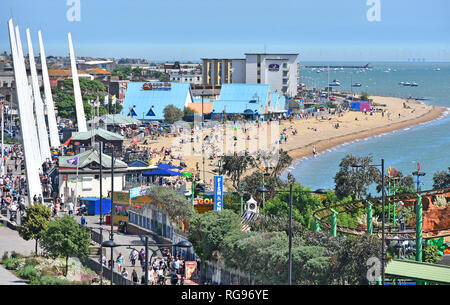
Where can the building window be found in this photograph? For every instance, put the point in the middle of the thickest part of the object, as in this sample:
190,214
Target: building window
284,65
259,81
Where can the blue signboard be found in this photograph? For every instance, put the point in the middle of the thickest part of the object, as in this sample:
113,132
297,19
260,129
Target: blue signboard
218,193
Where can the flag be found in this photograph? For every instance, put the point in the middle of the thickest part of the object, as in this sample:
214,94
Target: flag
113,99
104,117
96,102
68,141
135,140
73,161
247,218
106,100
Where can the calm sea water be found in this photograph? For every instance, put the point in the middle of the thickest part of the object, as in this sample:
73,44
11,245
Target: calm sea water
428,143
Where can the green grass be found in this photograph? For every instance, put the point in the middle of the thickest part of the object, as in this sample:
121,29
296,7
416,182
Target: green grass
12,263
28,272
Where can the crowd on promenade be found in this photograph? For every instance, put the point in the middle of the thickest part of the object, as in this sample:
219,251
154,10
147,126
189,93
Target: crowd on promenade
160,270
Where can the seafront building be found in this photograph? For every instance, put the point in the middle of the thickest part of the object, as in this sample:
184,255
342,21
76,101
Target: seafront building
279,71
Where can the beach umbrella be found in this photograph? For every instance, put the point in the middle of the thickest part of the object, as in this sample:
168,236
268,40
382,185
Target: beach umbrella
186,174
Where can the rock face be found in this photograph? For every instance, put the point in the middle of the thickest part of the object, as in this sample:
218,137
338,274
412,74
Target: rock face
434,217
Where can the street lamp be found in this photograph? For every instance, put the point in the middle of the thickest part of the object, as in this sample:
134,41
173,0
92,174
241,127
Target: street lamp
110,244
291,191
383,251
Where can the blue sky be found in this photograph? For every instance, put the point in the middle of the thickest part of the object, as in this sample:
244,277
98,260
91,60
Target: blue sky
189,30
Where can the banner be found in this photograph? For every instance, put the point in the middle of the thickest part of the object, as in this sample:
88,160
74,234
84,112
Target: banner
190,266
218,193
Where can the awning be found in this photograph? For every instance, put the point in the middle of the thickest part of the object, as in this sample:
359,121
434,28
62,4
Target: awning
167,166
162,173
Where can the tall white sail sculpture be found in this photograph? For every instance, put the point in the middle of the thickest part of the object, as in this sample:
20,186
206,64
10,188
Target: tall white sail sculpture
51,117
32,175
31,122
81,119
38,105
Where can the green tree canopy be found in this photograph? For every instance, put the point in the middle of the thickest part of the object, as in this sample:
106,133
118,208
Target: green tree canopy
64,237
172,114
35,222
441,179
354,181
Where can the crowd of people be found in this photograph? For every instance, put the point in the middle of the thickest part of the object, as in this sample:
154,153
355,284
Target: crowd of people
169,268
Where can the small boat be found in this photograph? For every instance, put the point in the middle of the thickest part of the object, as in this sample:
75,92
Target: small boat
437,69
406,84
335,83
414,85
356,85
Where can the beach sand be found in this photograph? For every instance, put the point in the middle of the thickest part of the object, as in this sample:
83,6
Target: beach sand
321,134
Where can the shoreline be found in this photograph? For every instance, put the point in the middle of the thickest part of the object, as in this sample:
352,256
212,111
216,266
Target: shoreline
323,145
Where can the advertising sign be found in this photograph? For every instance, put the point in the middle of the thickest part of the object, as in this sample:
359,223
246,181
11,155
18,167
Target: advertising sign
218,193
274,67
157,86
191,266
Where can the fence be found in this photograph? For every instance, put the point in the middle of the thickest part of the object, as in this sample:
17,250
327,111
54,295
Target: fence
215,273
97,267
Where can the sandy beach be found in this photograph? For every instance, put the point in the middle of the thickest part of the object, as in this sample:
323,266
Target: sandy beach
320,132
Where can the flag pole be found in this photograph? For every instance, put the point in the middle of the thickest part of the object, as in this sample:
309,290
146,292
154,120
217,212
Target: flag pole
76,187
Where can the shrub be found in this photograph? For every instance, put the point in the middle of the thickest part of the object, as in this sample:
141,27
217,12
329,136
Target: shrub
31,261
5,256
52,280
28,272
12,263
14,254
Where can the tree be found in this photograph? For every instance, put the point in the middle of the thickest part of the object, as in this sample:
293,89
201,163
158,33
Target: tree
207,231
441,179
35,222
172,114
364,96
431,254
188,112
349,265
164,77
235,166
65,237
177,206
350,181
254,181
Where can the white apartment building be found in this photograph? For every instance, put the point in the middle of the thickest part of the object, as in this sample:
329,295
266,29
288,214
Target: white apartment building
279,71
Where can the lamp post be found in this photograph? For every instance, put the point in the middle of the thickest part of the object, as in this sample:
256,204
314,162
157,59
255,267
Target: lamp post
110,244
383,251
291,191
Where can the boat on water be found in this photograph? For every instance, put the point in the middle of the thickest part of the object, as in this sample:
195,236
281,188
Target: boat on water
335,83
356,85
414,85
406,84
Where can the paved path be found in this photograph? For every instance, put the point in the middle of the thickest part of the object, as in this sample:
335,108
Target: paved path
11,241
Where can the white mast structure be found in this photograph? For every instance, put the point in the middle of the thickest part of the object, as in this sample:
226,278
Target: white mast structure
81,119
26,126
37,156
38,105
52,126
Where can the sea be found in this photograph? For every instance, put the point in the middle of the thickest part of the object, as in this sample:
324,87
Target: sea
427,143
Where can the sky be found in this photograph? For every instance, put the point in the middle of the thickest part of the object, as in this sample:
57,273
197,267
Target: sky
319,30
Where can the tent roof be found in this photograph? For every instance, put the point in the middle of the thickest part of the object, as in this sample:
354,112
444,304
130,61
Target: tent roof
88,157
420,271
115,119
103,133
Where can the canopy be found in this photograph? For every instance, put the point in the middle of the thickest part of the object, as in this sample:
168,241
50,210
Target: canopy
162,172
167,166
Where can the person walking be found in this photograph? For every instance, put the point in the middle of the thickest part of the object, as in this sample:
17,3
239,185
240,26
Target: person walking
133,256
134,276
119,262
124,273
141,256
71,207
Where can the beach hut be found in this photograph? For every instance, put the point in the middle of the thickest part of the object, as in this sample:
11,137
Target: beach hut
360,106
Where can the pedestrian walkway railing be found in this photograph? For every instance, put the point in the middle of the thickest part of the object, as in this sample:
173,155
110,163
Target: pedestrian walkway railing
215,273
118,279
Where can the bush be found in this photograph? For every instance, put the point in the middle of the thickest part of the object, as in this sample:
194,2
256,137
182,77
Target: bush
28,272
31,261
52,280
12,263
5,256
14,254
